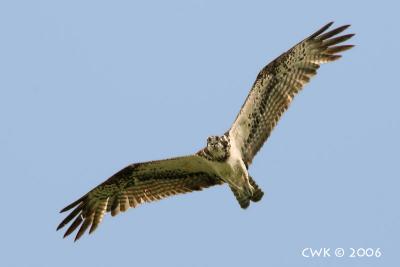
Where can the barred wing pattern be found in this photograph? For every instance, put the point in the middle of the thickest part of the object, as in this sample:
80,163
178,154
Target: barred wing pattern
278,83
136,184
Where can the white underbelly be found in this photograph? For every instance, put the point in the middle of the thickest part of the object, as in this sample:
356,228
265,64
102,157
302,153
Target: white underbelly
224,170
233,171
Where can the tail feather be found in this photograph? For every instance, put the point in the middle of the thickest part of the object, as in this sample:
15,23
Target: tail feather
244,201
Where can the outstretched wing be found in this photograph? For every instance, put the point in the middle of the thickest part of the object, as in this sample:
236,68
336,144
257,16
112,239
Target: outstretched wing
136,184
278,83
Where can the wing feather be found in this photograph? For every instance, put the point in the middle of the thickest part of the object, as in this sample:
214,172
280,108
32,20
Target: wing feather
137,184
278,83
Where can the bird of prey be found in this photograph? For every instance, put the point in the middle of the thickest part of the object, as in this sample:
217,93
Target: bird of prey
225,158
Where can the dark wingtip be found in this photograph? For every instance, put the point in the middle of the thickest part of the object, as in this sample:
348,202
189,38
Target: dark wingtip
74,225
344,27
323,29
333,32
73,204
61,225
79,234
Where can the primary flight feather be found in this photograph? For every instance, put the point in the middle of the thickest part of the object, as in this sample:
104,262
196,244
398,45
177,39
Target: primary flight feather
226,158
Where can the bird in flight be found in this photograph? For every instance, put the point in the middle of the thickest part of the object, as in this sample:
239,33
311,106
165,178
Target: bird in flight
225,158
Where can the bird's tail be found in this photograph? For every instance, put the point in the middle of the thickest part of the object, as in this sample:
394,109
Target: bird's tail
243,199
258,193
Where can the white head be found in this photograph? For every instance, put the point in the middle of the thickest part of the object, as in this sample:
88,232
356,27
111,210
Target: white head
218,147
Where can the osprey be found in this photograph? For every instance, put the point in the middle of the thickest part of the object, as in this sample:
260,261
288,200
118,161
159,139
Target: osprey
226,158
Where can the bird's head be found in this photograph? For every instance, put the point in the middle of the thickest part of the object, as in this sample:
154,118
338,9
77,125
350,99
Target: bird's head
218,147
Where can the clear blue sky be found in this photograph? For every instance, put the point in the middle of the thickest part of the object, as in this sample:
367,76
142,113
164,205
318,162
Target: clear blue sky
88,87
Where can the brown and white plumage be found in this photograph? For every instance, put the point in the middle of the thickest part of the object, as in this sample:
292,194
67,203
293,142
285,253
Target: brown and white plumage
278,83
137,184
226,158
